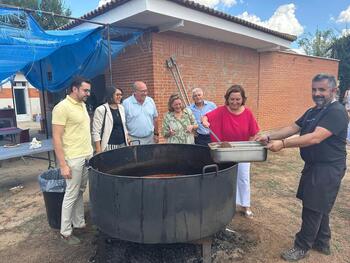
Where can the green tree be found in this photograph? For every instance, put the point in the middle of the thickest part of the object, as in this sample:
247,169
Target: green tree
318,44
47,22
341,50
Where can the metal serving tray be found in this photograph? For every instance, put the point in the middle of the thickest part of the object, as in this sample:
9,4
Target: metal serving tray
247,151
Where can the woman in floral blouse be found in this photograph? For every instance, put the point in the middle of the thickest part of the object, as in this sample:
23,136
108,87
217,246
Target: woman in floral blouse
179,123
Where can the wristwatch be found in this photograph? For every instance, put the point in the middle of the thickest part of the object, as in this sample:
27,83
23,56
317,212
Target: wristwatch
156,133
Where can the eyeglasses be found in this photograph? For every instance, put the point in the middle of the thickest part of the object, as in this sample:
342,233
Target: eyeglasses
87,90
142,91
119,94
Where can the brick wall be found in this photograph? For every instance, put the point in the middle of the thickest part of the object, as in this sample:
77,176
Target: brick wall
6,93
210,65
285,86
33,93
277,83
135,63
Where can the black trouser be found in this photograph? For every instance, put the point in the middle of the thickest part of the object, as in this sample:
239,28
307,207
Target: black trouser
314,230
202,139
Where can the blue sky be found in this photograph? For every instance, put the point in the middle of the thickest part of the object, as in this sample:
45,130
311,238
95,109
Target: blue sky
295,17
311,14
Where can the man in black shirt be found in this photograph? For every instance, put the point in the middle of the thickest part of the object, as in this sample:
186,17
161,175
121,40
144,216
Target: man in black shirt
322,143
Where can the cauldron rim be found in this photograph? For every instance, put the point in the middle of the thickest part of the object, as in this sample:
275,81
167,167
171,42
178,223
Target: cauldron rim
155,178
158,178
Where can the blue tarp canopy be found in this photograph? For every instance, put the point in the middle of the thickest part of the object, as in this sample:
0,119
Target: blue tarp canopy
50,59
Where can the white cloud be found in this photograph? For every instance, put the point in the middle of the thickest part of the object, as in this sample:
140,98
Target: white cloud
345,32
102,2
344,16
229,3
214,3
299,51
283,20
251,18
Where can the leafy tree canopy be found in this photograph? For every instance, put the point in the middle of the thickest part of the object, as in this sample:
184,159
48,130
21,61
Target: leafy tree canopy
327,44
318,44
341,50
47,22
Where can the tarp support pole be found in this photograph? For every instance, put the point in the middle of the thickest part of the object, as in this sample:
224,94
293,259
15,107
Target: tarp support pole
44,100
45,114
13,98
109,56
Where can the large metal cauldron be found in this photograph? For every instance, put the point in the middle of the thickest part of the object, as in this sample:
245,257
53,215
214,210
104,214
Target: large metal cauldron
125,204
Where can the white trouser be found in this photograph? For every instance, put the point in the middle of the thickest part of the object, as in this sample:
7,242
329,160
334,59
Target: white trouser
243,185
144,140
73,203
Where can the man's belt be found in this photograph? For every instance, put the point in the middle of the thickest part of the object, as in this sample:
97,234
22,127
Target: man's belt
140,137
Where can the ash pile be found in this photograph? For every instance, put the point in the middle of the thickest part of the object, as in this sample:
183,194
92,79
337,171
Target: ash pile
226,246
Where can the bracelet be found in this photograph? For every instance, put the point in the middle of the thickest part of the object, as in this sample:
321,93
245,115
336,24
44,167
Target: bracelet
284,146
268,138
156,133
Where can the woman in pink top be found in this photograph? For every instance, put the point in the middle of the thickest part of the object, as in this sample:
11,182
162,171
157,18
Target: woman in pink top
235,122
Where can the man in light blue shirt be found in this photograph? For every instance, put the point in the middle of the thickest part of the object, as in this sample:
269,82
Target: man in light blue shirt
141,115
200,107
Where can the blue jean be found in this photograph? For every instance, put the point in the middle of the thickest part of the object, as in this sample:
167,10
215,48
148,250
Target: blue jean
202,139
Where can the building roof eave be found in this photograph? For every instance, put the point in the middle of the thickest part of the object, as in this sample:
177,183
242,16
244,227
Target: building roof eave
152,9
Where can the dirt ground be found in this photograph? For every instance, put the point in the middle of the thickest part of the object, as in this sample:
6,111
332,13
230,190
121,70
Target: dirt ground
26,237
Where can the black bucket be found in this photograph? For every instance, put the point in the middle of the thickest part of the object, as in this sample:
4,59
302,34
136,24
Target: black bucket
53,186
53,204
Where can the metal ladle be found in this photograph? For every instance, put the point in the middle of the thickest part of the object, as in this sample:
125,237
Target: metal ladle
215,136
222,144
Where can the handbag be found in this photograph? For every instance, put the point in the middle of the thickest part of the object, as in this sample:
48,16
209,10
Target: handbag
103,122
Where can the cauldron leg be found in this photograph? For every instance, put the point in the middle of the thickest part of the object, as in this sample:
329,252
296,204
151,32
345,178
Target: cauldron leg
205,243
206,250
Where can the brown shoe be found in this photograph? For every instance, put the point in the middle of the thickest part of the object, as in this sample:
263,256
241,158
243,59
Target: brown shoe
247,212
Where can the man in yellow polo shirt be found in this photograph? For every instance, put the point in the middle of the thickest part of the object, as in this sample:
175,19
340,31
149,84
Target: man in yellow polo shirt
72,143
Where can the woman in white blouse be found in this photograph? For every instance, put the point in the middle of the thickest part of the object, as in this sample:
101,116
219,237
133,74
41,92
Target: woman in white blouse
109,130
